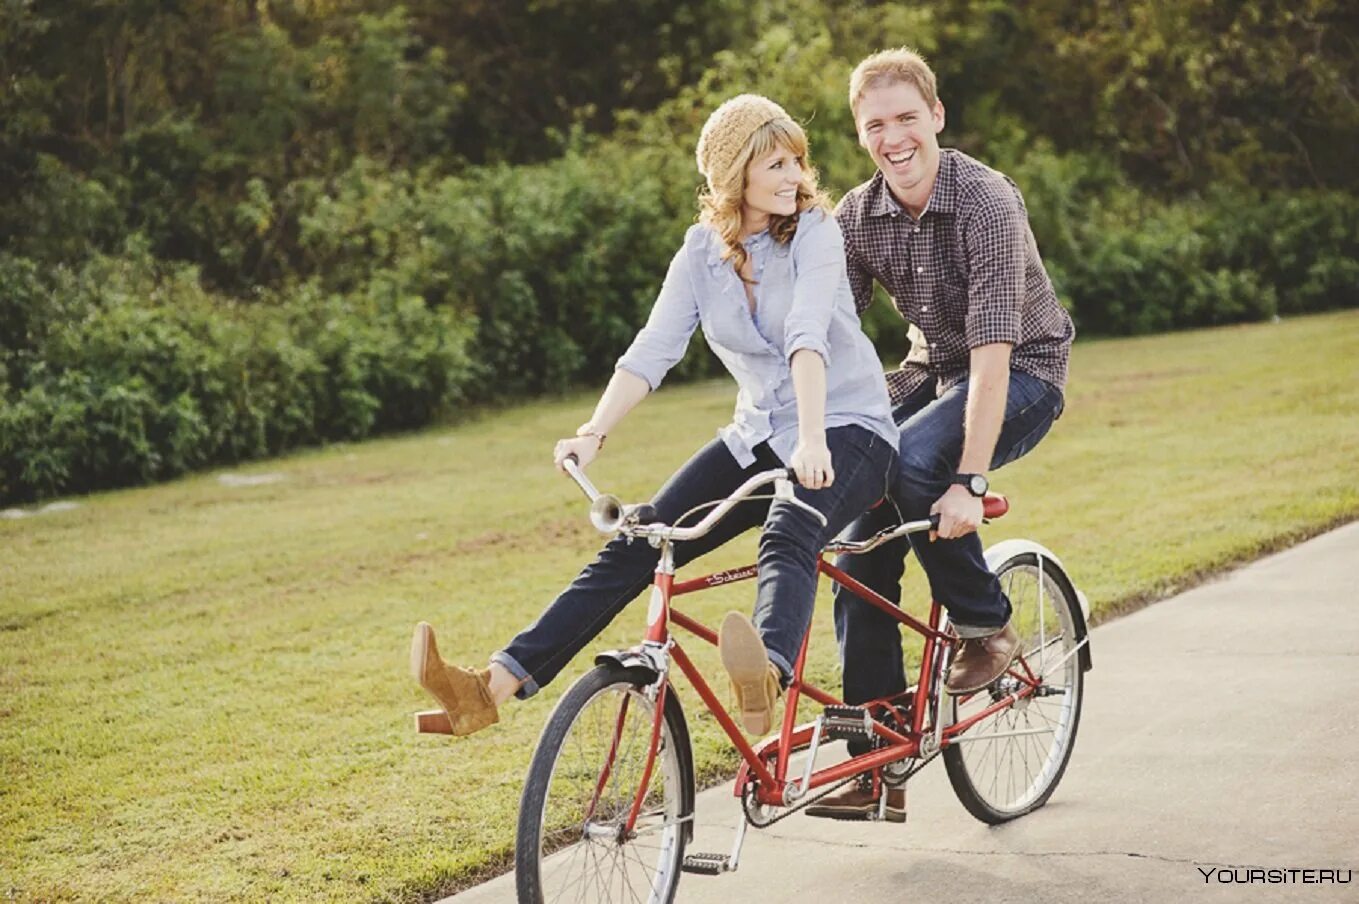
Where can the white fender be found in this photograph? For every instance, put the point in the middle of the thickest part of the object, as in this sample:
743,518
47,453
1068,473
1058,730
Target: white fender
997,555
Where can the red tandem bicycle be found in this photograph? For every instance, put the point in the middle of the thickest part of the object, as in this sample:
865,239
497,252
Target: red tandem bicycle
608,807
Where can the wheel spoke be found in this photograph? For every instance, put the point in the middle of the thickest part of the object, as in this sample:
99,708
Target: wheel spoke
1008,763
572,860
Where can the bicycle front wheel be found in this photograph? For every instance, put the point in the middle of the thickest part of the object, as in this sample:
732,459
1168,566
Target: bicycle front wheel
1009,763
573,843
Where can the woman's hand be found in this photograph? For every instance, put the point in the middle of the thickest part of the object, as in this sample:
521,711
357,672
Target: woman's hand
585,448
811,462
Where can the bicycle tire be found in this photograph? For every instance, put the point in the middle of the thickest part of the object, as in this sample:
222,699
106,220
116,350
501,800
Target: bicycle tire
1002,778
563,848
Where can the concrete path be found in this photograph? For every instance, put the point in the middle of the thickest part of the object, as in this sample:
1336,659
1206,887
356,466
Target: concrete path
1220,733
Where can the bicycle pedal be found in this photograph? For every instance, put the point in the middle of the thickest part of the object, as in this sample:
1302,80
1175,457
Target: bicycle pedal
847,723
706,864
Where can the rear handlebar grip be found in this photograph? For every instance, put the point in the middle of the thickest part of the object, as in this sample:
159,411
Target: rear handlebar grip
994,505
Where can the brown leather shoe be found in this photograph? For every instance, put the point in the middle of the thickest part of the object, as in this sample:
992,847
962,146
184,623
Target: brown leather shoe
464,694
754,679
857,801
981,660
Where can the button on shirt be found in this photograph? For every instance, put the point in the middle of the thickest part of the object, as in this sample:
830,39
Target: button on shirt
802,301
967,273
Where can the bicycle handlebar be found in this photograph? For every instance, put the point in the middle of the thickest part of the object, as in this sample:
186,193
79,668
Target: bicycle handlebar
609,515
993,506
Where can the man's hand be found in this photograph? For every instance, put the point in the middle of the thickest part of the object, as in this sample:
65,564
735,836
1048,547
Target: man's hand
585,448
959,513
811,462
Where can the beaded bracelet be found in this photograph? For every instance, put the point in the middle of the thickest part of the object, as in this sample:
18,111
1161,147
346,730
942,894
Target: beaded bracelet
596,434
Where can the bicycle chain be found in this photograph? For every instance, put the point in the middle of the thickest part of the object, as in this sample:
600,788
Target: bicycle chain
787,811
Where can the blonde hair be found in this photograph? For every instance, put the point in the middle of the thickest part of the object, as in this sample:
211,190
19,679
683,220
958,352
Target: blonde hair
890,67
720,203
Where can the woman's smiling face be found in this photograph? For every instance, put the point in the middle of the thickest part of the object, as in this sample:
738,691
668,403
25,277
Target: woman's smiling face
771,187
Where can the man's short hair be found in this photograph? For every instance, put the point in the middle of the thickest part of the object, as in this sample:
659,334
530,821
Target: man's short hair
888,67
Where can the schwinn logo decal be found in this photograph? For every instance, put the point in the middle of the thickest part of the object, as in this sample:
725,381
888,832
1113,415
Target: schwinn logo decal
726,577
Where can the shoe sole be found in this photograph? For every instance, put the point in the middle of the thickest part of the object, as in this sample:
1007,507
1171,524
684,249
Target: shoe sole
747,664
987,683
854,814
421,642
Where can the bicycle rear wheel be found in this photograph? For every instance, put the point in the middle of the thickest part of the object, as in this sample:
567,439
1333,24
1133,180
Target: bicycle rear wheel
1009,763
572,844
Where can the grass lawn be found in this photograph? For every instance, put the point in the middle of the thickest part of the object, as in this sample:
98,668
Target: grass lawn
203,686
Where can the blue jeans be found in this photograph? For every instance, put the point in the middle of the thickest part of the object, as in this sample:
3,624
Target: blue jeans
931,445
789,547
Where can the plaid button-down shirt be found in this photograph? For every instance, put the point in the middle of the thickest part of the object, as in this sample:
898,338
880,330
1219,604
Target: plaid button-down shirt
967,273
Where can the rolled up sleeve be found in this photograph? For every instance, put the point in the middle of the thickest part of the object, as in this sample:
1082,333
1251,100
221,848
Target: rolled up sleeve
674,317
860,280
819,265
996,236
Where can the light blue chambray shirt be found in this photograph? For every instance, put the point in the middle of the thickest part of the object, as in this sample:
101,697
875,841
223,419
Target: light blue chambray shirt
802,300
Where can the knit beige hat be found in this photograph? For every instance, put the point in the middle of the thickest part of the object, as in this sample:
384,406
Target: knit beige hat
729,128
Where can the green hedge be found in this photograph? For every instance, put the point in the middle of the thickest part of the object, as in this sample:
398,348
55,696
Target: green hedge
133,373
1226,260
417,294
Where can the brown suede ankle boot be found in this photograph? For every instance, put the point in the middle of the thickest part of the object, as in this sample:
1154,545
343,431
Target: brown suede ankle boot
464,694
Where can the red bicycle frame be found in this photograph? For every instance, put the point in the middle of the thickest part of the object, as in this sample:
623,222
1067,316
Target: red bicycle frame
772,785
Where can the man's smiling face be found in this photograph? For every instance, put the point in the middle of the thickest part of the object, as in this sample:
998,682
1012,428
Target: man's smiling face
900,131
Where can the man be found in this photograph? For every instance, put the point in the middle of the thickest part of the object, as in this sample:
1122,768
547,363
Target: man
949,240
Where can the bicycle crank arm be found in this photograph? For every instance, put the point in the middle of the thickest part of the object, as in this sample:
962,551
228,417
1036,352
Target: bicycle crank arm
715,864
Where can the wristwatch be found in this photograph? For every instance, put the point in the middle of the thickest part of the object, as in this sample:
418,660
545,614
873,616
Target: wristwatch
976,484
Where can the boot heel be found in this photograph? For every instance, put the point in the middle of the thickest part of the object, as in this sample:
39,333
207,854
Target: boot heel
433,721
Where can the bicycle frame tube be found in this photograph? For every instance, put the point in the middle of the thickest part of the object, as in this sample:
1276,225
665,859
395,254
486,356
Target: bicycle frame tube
773,784
790,712
868,595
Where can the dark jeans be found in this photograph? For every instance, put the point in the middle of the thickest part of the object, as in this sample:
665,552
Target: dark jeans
931,445
789,547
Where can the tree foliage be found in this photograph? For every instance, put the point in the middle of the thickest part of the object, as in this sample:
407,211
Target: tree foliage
234,227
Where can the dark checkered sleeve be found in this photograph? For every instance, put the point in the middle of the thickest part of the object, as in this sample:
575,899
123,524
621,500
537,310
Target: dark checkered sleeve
995,232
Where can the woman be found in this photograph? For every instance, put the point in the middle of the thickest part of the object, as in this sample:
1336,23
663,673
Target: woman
763,273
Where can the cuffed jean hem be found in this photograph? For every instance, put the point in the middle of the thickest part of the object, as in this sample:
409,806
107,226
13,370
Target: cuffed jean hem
783,665
529,687
975,632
